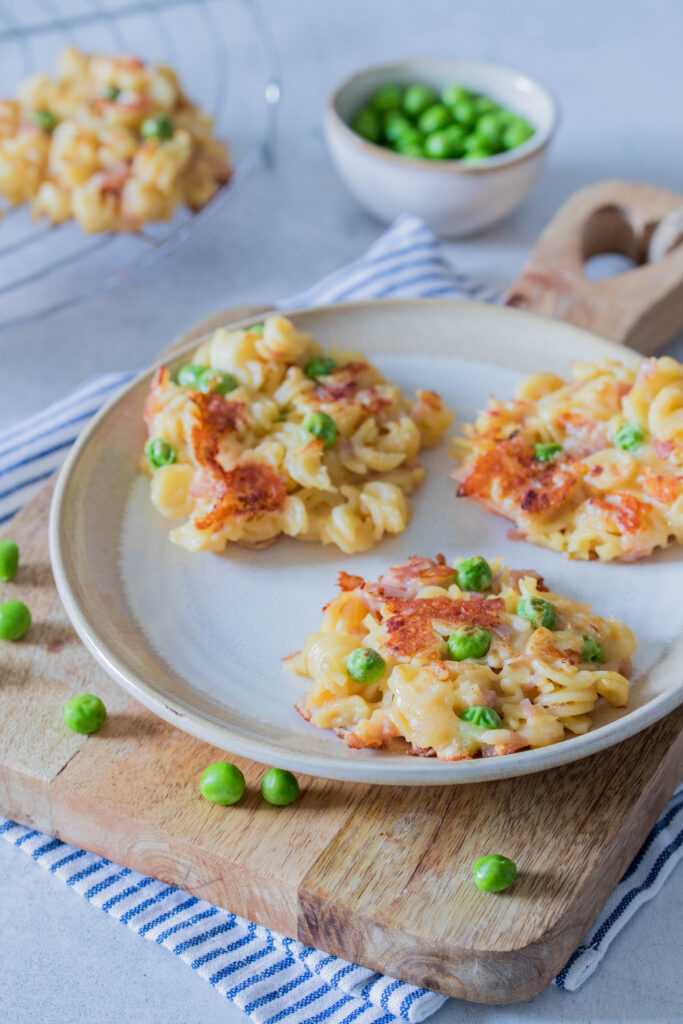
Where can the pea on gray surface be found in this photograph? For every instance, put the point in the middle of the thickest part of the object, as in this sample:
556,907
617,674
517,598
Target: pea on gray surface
9,559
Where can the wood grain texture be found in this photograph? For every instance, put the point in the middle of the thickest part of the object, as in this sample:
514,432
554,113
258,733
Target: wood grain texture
643,307
377,875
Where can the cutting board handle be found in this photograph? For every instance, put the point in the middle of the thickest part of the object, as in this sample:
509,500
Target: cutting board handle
642,307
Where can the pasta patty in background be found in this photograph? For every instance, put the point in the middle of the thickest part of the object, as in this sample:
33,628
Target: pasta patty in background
112,142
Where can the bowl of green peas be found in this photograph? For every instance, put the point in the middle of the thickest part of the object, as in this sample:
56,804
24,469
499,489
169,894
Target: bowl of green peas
459,143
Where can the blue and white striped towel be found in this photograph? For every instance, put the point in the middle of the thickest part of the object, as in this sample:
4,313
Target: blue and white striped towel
270,977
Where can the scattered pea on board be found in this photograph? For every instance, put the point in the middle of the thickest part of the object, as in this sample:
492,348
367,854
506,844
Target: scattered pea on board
458,125
279,787
222,783
84,713
15,620
494,873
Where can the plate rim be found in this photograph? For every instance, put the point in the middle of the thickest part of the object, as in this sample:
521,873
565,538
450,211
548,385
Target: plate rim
362,771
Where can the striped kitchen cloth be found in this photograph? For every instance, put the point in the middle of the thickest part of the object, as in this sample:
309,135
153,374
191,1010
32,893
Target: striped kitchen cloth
270,977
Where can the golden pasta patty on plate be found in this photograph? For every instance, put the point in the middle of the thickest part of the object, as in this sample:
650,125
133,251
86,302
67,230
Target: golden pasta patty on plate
460,660
592,467
264,434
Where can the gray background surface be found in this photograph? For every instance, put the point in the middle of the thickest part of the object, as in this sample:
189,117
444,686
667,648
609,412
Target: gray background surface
617,71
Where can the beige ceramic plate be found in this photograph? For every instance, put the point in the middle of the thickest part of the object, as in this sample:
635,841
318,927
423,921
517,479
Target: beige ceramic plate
198,638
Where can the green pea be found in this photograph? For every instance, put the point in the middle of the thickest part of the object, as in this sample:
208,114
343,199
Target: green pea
408,141
468,643
474,143
494,873
389,97
279,787
436,146
591,650
222,783
485,718
408,147
217,380
506,117
546,451
629,437
112,93
489,129
417,98
538,612
159,452
320,366
446,144
9,559
366,123
365,665
396,125
321,426
15,620
474,574
188,375
159,127
433,118
45,119
453,94
85,713
478,151
517,133
464,113
485,105
256,329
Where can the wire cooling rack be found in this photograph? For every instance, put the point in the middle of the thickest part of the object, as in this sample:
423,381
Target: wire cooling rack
227,63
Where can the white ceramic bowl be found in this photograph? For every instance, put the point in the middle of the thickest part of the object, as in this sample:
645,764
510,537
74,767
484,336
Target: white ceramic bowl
454,197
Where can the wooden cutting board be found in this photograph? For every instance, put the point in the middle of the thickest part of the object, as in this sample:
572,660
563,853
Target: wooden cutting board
378,875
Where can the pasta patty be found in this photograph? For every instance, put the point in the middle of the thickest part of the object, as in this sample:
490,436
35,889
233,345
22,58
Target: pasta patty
592,467
111,141
310,444
507,682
